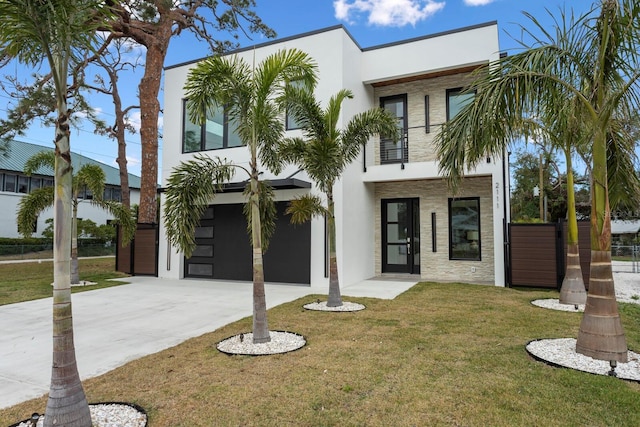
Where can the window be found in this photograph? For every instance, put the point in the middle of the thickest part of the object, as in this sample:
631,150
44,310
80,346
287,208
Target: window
10,183
464,229
213,135
456,100
23,184
290,122
47,182
395,152
36,183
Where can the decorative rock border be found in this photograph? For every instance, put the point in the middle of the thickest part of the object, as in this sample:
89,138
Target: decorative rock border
561,352
103,414
242,344
345,307
554,304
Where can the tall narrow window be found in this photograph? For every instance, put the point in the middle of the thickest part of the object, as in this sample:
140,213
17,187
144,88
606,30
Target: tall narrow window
464,229
291,123
390,151
217,132
457,99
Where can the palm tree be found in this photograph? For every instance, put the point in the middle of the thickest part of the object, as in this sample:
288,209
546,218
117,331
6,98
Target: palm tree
252,97
594,60
34,32
88,175
562,129
324,155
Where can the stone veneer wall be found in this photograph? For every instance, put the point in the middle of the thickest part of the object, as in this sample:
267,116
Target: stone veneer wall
421,148
433,197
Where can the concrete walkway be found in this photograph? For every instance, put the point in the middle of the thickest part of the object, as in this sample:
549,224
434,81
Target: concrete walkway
116,325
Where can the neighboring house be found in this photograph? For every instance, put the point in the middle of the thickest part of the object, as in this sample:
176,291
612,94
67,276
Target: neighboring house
625,232
394,213
14,184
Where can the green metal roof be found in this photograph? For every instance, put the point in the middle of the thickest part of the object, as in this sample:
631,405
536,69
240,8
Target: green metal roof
19,152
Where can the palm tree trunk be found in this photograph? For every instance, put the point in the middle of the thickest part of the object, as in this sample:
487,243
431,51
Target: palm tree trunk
572,290
335,300
67,403
601,335
75,275
260,324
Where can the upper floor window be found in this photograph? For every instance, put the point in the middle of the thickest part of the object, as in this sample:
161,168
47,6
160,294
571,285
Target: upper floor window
457,99
215,134
390,151
464,228
290,121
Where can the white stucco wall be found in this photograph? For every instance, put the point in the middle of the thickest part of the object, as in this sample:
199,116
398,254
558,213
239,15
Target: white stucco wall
10,201
342,64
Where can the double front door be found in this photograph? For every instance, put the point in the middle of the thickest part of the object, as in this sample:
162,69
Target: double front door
401,236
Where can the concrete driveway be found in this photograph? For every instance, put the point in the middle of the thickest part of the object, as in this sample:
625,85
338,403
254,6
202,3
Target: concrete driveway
116,325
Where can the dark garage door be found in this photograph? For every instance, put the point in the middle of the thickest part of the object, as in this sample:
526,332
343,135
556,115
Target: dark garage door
223,249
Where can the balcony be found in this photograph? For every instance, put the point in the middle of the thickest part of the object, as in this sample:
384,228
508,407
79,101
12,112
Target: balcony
394,152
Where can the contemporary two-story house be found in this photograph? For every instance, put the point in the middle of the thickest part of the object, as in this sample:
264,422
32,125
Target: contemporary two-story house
394,213
14,185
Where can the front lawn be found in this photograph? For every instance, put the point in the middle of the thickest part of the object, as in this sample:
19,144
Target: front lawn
439,354
27,281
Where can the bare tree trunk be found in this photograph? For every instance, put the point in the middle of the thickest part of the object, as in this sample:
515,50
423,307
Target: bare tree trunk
120,132
150,108
601,335
573,290
260,324
75,275
334,300
67,404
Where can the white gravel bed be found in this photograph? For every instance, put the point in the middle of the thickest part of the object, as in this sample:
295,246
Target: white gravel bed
281,342
108,415
627,286
322,306
554,304
562,352
82,283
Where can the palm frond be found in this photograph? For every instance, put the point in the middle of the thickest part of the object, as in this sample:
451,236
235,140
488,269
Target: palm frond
362,127
32,205
122,216
93,177
41,159
190,188
303,208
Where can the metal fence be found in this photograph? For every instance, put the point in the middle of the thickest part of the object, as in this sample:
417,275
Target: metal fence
45,251
626,259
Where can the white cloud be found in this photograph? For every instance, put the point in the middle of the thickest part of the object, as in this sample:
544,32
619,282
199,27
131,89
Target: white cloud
477,2
391,13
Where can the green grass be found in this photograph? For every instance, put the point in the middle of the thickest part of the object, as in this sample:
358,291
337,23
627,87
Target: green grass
438,355
32,280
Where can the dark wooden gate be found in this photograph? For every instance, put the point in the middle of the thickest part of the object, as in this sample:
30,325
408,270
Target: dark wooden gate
140,256
537,254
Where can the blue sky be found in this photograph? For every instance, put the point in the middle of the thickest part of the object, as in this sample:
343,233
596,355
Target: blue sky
371,22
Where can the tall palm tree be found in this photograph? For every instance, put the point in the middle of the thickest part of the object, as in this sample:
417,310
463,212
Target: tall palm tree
51,32
88,176
252,97
594,60
324,153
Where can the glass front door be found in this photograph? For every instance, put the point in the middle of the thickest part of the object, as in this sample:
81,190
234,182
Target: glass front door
400,236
